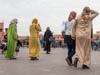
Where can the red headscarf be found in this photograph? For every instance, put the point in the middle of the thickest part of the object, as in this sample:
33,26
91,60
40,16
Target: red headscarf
72,15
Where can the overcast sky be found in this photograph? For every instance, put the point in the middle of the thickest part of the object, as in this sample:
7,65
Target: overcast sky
49,13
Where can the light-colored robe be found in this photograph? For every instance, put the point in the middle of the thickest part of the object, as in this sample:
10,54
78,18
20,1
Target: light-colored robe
81,30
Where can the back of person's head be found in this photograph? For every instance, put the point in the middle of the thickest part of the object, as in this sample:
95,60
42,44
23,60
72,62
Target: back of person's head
14,21
35,20
48,28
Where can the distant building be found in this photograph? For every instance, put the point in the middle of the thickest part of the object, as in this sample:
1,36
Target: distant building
1,30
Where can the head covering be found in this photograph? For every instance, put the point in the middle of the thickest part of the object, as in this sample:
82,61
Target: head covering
35,20
86,9
72,15
48,28
6,28
14,21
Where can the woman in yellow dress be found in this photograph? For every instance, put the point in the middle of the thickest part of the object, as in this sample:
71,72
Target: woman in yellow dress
34,43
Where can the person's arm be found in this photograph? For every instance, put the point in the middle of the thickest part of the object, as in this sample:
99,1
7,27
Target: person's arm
51,34
44,37
92,32
14,32
65,27
38,27
30,28
73,35
93,14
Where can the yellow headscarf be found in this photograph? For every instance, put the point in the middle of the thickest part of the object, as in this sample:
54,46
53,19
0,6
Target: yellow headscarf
35,21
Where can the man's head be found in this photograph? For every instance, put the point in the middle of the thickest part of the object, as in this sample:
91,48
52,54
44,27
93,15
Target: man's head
86,10
6,29
72,15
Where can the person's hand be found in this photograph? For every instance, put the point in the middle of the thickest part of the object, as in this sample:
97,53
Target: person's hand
92,11
44,41
38,24
73,38
88,10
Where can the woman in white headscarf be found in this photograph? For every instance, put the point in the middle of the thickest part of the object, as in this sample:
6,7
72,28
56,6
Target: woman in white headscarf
11,40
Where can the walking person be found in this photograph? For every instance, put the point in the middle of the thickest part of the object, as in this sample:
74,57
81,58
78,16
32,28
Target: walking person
67,38
11,40
81,31
4,42
97,43
34,42
48,38
5,34
19,44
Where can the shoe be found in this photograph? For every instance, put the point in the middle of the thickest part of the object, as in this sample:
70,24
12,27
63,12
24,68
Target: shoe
68,61
44,49
85,67
75,62
2,52
36,58
47,52
32,58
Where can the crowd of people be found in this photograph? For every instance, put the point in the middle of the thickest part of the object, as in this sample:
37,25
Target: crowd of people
77,37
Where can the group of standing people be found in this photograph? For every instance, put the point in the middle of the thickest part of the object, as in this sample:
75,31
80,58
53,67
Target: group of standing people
78,37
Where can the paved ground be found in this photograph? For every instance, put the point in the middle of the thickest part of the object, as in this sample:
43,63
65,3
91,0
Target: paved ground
53,64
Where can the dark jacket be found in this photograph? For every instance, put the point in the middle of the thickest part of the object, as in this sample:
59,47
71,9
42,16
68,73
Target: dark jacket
47,35
19,43
68,39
